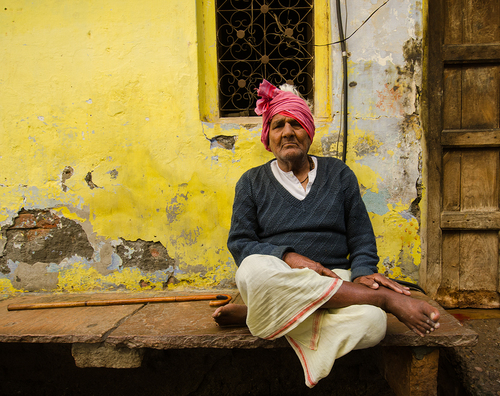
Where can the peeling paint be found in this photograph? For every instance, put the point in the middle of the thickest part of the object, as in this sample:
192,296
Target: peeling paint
66,174
88,180
41,236
94,133
147,256
399,250
223,141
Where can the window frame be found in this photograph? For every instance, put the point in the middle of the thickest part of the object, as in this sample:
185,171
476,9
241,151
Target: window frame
208,72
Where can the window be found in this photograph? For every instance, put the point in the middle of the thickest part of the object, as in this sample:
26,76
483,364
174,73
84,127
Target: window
262,39
309,26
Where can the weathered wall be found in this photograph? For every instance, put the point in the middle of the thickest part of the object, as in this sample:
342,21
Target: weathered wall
110,180
385,68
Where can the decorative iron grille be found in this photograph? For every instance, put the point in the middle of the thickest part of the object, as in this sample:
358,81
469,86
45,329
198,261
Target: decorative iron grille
262,39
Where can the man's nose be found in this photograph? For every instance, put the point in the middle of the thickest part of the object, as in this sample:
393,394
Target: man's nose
288,130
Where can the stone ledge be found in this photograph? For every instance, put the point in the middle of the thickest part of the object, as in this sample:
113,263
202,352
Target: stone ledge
173,325
106,356
117,336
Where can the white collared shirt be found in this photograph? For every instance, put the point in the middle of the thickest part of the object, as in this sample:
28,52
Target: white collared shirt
291,183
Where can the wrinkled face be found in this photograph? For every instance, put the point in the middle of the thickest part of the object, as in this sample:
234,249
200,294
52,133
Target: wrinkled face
287,139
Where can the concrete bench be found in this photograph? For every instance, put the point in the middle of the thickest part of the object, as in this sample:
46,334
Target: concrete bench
116,336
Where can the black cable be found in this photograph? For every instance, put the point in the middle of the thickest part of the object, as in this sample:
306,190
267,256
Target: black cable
410,285
345,84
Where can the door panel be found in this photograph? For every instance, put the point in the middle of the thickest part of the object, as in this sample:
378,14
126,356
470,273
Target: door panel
478,180
462,267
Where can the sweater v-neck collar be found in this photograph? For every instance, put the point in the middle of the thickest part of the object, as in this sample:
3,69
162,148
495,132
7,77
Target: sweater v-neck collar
287,195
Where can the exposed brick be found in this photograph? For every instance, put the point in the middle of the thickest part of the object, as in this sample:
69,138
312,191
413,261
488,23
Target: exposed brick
24,221
38,236
45,219
36,219
37,233
145,255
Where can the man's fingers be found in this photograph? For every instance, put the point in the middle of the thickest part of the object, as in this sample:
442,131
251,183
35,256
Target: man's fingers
367,282
327,272
390,284
370,283
331,274
398,288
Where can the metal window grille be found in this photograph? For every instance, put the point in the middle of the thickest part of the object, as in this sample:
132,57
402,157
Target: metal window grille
262,39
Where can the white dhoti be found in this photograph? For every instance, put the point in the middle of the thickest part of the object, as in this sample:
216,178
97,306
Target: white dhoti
282,301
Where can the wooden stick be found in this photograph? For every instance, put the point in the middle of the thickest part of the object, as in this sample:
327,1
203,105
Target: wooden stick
220,299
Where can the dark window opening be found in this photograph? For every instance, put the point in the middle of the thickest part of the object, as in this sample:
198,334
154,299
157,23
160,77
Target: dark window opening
262,39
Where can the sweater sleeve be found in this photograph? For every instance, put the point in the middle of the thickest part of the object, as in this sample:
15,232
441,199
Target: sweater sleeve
243,237
359,231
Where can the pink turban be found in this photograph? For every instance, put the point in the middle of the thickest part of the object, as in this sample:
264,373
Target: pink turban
275,101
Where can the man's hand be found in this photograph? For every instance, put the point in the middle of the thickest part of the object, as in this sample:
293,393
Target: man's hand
374,281
295,260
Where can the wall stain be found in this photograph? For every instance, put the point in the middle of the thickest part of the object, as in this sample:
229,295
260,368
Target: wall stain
66,174
389,99
175,208
113,173
408,75
90,183
366,144
412,53
419,186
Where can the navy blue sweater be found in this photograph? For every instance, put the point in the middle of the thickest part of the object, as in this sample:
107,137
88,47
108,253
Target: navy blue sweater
330,226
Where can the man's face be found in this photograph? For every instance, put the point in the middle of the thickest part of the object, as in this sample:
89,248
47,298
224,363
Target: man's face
287,139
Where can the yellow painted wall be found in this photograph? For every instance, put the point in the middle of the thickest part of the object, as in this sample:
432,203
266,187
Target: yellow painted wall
112,89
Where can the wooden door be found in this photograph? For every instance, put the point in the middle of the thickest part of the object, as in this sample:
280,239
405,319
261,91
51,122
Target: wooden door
463,144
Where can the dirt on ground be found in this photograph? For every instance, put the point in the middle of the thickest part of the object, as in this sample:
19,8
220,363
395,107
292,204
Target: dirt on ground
477,368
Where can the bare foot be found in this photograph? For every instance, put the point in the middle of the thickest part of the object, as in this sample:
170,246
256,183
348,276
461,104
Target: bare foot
231,315
417,315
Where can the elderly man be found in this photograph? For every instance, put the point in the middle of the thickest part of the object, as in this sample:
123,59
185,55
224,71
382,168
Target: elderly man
307,257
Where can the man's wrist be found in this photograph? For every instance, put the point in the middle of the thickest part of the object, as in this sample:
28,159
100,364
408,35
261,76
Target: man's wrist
285,255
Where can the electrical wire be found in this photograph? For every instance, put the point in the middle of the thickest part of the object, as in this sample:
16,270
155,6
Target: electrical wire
345,82
345,89
353,33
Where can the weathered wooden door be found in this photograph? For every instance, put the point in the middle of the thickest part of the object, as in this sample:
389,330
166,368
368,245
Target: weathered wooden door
463,145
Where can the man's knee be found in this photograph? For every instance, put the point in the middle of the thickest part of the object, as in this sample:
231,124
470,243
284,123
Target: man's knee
261,263
375,325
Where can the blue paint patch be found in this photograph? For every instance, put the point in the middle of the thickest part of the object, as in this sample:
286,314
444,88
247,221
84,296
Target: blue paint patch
376,203
406,215
207,124
116,262
69,262
161,276
52,267
229,127
12,265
